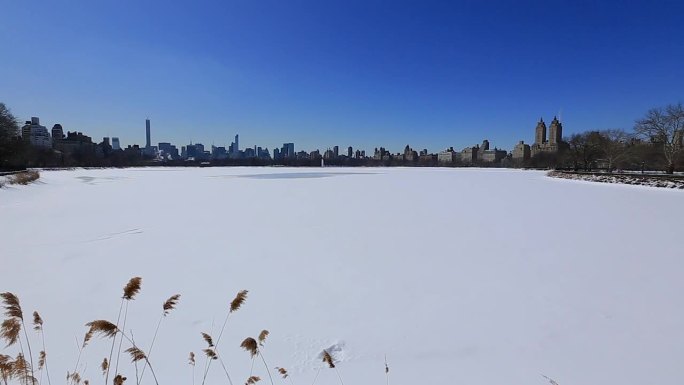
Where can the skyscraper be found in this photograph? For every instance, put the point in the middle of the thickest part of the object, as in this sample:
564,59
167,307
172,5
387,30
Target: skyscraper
555,132
540,132
288,150
148,142
116,145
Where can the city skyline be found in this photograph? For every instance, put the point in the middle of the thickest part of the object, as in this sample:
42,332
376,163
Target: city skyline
359,73
233,149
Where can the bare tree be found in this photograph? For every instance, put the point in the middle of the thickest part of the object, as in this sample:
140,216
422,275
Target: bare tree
9,129
8,124
665,126
585,149
615,146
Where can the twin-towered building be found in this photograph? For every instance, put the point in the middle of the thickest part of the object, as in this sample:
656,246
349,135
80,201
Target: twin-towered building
523,151
541,144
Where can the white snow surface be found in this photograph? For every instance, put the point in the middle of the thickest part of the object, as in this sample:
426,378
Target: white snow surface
457,276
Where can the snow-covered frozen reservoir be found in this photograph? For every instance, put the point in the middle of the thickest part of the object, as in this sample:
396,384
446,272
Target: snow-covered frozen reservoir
458,276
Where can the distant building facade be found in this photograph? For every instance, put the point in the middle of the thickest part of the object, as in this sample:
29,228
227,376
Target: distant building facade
448,156
541,144
521,151
57,132
469,154
35,134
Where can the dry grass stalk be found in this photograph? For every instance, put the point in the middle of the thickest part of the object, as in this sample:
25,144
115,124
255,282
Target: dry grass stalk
12,307
171,303
252,380
262,337
104,366
234,306
210,353
250,345
386,370
24,178
119,379
208,339
136,354
103,327
132,288
41,359
37,322
328,359
283,372
9,331
551,381
238,301
191,359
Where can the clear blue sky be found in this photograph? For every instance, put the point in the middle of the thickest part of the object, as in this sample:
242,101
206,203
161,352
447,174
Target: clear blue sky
322,73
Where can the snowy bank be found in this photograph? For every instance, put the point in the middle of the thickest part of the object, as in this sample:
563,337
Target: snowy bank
633,179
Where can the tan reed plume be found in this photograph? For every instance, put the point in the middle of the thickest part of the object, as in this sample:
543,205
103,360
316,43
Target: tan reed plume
238,301
37,321
252,380
9,331
262,337
22,370
104,366
6,367
210,353
191,359
75,378
41,359
12,307
87,337
208,339
106,328
327,358
86,382
170,304
283,372
119,379
132,288
136,354
250,345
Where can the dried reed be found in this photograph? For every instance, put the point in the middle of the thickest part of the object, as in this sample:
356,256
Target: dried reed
38,326
191,361
252,380
250,345
235,305
13,311
208,339
328,359
131,289
104,366
167,306
119,379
